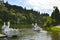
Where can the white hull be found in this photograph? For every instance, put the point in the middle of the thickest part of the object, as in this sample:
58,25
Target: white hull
36,29
9,32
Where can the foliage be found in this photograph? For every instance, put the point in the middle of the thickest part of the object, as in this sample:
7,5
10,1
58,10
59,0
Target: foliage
56,15
46,21
13,12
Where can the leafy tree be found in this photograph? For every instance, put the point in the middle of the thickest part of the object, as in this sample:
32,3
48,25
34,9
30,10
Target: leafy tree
56,15
5,16
32,17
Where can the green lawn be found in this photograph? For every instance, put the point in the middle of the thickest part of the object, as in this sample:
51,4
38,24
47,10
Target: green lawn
55,29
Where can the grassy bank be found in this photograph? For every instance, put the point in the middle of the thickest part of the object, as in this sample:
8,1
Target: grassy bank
21,26
55,29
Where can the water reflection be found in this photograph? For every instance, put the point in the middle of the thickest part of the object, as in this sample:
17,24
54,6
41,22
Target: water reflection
28,34
55,36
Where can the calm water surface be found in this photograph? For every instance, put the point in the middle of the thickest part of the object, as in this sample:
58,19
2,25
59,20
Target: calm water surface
29,34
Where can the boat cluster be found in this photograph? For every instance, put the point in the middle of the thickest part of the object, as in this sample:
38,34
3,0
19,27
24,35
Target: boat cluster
15,32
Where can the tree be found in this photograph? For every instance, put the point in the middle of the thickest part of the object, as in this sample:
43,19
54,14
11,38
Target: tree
5,16
32,17
56,15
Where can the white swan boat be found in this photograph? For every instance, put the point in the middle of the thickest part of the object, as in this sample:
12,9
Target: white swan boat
36,27
10,32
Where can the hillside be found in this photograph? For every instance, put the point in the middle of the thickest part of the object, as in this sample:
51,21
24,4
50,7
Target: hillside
18,14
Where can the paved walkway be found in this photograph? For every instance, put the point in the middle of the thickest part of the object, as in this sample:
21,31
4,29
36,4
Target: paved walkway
58,26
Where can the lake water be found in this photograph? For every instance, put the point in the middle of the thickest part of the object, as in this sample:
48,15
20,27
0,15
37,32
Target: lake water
29,34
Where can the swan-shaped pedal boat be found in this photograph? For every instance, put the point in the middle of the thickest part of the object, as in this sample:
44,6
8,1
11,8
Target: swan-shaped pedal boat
10,32
36,27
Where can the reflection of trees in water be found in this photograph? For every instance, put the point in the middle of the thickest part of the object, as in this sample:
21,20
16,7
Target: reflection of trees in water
13,38
55,36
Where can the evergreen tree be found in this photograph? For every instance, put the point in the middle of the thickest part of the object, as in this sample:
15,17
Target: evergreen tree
56,15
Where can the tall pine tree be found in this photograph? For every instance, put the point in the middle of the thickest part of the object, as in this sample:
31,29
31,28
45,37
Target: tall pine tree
56,15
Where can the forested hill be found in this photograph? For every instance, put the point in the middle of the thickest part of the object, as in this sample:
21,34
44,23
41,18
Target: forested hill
20,9
19,15
13,13
14,7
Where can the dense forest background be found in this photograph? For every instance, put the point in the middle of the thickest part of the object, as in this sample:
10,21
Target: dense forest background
19,15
